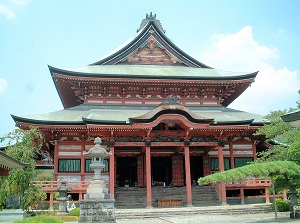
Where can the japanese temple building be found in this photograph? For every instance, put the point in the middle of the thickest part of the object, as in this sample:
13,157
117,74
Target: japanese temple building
162,114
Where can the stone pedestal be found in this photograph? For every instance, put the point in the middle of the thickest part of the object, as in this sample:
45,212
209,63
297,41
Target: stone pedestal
100,210
7,215
97,205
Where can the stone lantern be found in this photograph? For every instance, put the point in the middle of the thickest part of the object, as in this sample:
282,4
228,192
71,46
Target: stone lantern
63,198
97,206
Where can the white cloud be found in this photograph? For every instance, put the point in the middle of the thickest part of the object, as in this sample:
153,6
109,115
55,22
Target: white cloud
273,88
3,85
10,8
20,2
7,12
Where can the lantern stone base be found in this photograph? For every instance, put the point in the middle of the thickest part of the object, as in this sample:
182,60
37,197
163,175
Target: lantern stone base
97,190
98,210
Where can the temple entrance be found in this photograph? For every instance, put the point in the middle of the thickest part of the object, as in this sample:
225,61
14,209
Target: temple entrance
196,168
161,171
126,171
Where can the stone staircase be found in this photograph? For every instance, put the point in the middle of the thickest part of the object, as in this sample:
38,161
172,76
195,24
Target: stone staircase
205,196
132,197
189,211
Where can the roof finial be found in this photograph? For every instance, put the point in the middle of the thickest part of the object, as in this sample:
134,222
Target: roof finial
151,18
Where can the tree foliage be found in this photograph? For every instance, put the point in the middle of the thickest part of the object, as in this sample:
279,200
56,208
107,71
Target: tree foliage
23,145
286,169
284,135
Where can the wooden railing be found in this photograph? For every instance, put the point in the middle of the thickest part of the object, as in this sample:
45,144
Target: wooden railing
50,186
249,182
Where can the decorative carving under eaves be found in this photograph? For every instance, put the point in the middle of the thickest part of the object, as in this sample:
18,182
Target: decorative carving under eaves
198,138
110,143
129,139
162,138
171,122
151,52
171,100
222,142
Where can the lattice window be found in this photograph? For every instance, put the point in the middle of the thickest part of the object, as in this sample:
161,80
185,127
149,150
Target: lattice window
69,165
88,169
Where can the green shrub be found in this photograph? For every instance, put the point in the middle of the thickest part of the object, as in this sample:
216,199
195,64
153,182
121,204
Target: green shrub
282,206
41,219
75,212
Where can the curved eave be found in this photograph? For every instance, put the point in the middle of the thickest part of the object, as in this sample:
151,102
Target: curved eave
103,122
137,76
239,122
138,36
19,120
64,102
170,111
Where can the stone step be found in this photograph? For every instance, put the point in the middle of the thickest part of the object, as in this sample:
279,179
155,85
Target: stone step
137,197
163,212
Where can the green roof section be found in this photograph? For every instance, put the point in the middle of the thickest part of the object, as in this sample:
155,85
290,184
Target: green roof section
152,71
292,117
121,114
9,163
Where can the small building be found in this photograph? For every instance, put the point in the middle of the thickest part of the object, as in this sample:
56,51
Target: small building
8,163
162,113
292,117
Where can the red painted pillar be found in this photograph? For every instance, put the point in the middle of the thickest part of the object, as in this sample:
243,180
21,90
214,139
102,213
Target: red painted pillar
267,195
221,168
231,155
55,161
82,168
148,177
188,175
254,151
51,201
242,196
112,172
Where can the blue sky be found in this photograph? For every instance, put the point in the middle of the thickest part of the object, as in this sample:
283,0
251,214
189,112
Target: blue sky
235,35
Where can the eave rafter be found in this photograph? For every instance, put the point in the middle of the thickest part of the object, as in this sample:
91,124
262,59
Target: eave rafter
84,88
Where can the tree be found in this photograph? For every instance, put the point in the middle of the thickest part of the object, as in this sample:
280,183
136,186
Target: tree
23,145
273,169
285,136
286,169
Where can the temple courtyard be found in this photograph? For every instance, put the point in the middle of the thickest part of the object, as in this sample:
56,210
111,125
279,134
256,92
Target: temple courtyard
230,213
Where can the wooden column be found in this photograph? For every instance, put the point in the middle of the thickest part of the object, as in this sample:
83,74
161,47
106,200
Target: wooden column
221,168
231,155
188,175
51,201
285,197
254,151
55,160
82,166
242,196
112,172
148,177
267,195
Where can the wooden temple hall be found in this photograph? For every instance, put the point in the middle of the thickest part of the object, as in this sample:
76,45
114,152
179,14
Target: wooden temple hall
164,117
